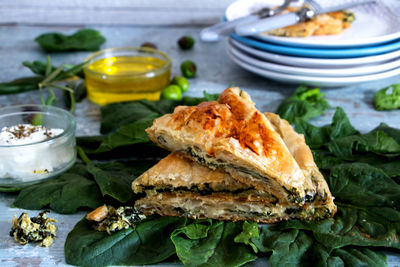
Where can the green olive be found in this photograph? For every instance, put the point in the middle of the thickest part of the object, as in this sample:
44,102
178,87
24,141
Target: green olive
182,82
186,42
172,92
148,45
188,69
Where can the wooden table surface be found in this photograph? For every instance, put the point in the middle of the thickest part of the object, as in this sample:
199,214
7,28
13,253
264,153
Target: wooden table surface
215,72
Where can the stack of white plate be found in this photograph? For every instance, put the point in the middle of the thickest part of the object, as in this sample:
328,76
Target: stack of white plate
369,50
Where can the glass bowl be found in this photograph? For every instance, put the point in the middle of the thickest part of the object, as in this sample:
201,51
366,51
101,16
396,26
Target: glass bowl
126,74
24,164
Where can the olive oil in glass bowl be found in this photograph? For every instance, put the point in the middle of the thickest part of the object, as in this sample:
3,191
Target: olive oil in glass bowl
126,74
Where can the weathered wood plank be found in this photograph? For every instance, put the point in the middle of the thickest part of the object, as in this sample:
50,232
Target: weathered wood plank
122,12
153,4
39,16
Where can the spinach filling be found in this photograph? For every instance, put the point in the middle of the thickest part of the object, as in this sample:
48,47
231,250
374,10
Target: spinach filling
118,219
204,190
210,163
319,213
298,212
293,194
268,214
34,229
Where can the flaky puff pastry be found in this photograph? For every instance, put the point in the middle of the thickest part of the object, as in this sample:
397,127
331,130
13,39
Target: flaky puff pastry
177,186
301,152
231,134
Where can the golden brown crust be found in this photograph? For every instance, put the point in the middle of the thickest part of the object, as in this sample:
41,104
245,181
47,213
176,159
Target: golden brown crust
294,141
228,199
98,214
303,156
234,135
175,171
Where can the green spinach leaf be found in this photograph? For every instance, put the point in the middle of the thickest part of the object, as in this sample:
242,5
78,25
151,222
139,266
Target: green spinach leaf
294,247
149,150
82,40
115,179
363,185
120,114
193,101
211,243
148,243
64,194
250,231
116,115
377,142
318,136
367,200
303,104
352,225
390,131
388,98
347,256
288,247
129,134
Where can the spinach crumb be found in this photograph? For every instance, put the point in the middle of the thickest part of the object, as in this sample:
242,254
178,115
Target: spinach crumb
40,228
112,220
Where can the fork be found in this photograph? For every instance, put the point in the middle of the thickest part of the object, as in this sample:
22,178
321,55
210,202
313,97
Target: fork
214,33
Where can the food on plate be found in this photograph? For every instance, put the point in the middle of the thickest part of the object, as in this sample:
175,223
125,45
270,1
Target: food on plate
322,24
29,152
34,229
241,156
112,220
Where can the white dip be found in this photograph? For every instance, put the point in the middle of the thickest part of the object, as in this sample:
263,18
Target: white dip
22,158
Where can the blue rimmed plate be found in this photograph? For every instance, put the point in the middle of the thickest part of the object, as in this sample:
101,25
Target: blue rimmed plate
317,62
317,72
314,80
319,52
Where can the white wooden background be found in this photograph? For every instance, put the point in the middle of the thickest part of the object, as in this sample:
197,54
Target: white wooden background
111,12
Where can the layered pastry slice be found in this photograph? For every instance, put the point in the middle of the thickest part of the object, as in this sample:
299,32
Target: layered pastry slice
178,186
232,135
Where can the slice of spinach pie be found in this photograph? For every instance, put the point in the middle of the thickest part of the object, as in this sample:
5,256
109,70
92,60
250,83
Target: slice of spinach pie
232,135
177,186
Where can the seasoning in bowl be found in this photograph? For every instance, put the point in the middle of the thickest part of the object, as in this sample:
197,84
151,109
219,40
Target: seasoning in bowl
30,153
125,74
26,133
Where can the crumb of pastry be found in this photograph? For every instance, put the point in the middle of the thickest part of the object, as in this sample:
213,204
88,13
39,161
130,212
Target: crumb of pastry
34,229
112,220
